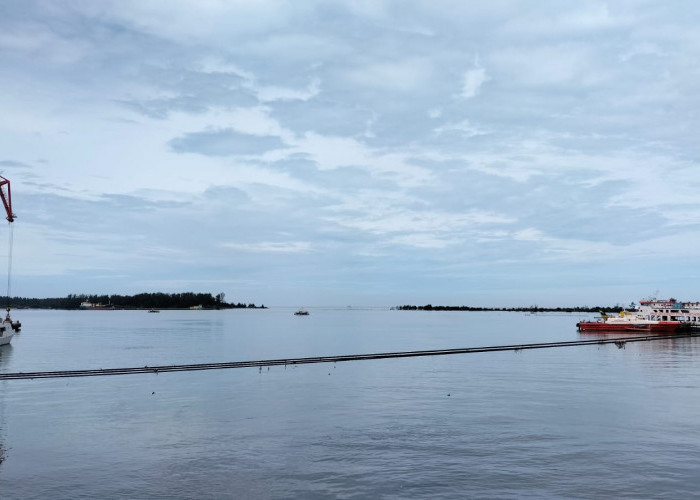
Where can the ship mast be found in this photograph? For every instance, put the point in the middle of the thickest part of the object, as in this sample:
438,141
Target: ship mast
6,196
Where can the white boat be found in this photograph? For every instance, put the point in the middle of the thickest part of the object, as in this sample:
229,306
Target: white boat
6,335
8,329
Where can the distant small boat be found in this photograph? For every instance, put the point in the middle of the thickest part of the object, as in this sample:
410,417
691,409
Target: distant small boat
154,311
301,312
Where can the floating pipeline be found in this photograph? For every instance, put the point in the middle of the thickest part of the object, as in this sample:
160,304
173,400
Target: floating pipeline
619,342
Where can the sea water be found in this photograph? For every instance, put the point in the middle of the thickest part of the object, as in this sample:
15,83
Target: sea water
576,422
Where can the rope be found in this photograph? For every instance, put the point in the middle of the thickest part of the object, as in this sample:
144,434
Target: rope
619,342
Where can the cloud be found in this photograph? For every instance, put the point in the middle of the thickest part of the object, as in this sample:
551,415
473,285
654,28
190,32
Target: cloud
417,221
545,248
529,234
224,143
271,247
212,22
396,221
464,128
422,240
13,164
641,50
577,20
402,75
37,40
272,93
473,80
337,152
323,137
544,65
257,121
248,81
219,65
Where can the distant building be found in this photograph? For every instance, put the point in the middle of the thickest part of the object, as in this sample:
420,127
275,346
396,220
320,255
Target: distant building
98,306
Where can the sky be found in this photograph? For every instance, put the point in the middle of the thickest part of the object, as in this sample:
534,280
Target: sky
352,152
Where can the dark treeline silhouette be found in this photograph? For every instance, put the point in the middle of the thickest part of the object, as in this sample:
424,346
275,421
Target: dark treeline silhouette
533,309
140,301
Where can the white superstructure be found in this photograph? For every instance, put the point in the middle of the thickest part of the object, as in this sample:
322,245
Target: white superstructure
670,310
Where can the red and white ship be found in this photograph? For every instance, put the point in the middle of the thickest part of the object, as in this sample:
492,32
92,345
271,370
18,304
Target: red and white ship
628,322
652,316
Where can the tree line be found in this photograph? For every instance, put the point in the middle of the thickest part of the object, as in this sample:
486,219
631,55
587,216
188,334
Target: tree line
532,309
158,300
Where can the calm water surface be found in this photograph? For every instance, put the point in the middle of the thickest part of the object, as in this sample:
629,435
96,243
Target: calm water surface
576,422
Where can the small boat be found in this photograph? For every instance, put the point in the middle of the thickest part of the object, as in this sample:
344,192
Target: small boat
8,329
628,322
301,312
154,311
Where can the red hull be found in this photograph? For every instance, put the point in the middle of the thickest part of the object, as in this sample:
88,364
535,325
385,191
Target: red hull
601,326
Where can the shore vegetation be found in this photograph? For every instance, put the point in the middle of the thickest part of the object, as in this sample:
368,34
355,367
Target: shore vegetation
158,300
530,309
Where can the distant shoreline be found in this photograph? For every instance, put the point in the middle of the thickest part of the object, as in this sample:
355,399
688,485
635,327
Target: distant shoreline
531,309
119,308
141,301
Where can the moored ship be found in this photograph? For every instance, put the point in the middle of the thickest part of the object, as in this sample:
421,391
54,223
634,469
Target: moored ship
628,322
652,315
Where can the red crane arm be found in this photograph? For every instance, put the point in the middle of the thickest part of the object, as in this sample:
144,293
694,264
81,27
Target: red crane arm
6,196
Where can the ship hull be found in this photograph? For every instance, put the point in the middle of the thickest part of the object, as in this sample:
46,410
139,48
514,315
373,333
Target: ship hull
667,327
6,335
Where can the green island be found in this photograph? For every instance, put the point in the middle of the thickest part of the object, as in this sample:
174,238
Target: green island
530,309
187,300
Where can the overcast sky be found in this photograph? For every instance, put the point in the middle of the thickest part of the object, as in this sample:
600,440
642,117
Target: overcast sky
354,152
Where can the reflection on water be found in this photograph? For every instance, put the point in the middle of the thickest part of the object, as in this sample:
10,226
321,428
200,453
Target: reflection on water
612,334
661,351
658,342
5,353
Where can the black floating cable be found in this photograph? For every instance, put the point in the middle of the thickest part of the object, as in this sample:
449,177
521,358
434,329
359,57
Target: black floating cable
619,342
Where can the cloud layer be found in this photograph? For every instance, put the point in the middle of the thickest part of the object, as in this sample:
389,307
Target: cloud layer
487,153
